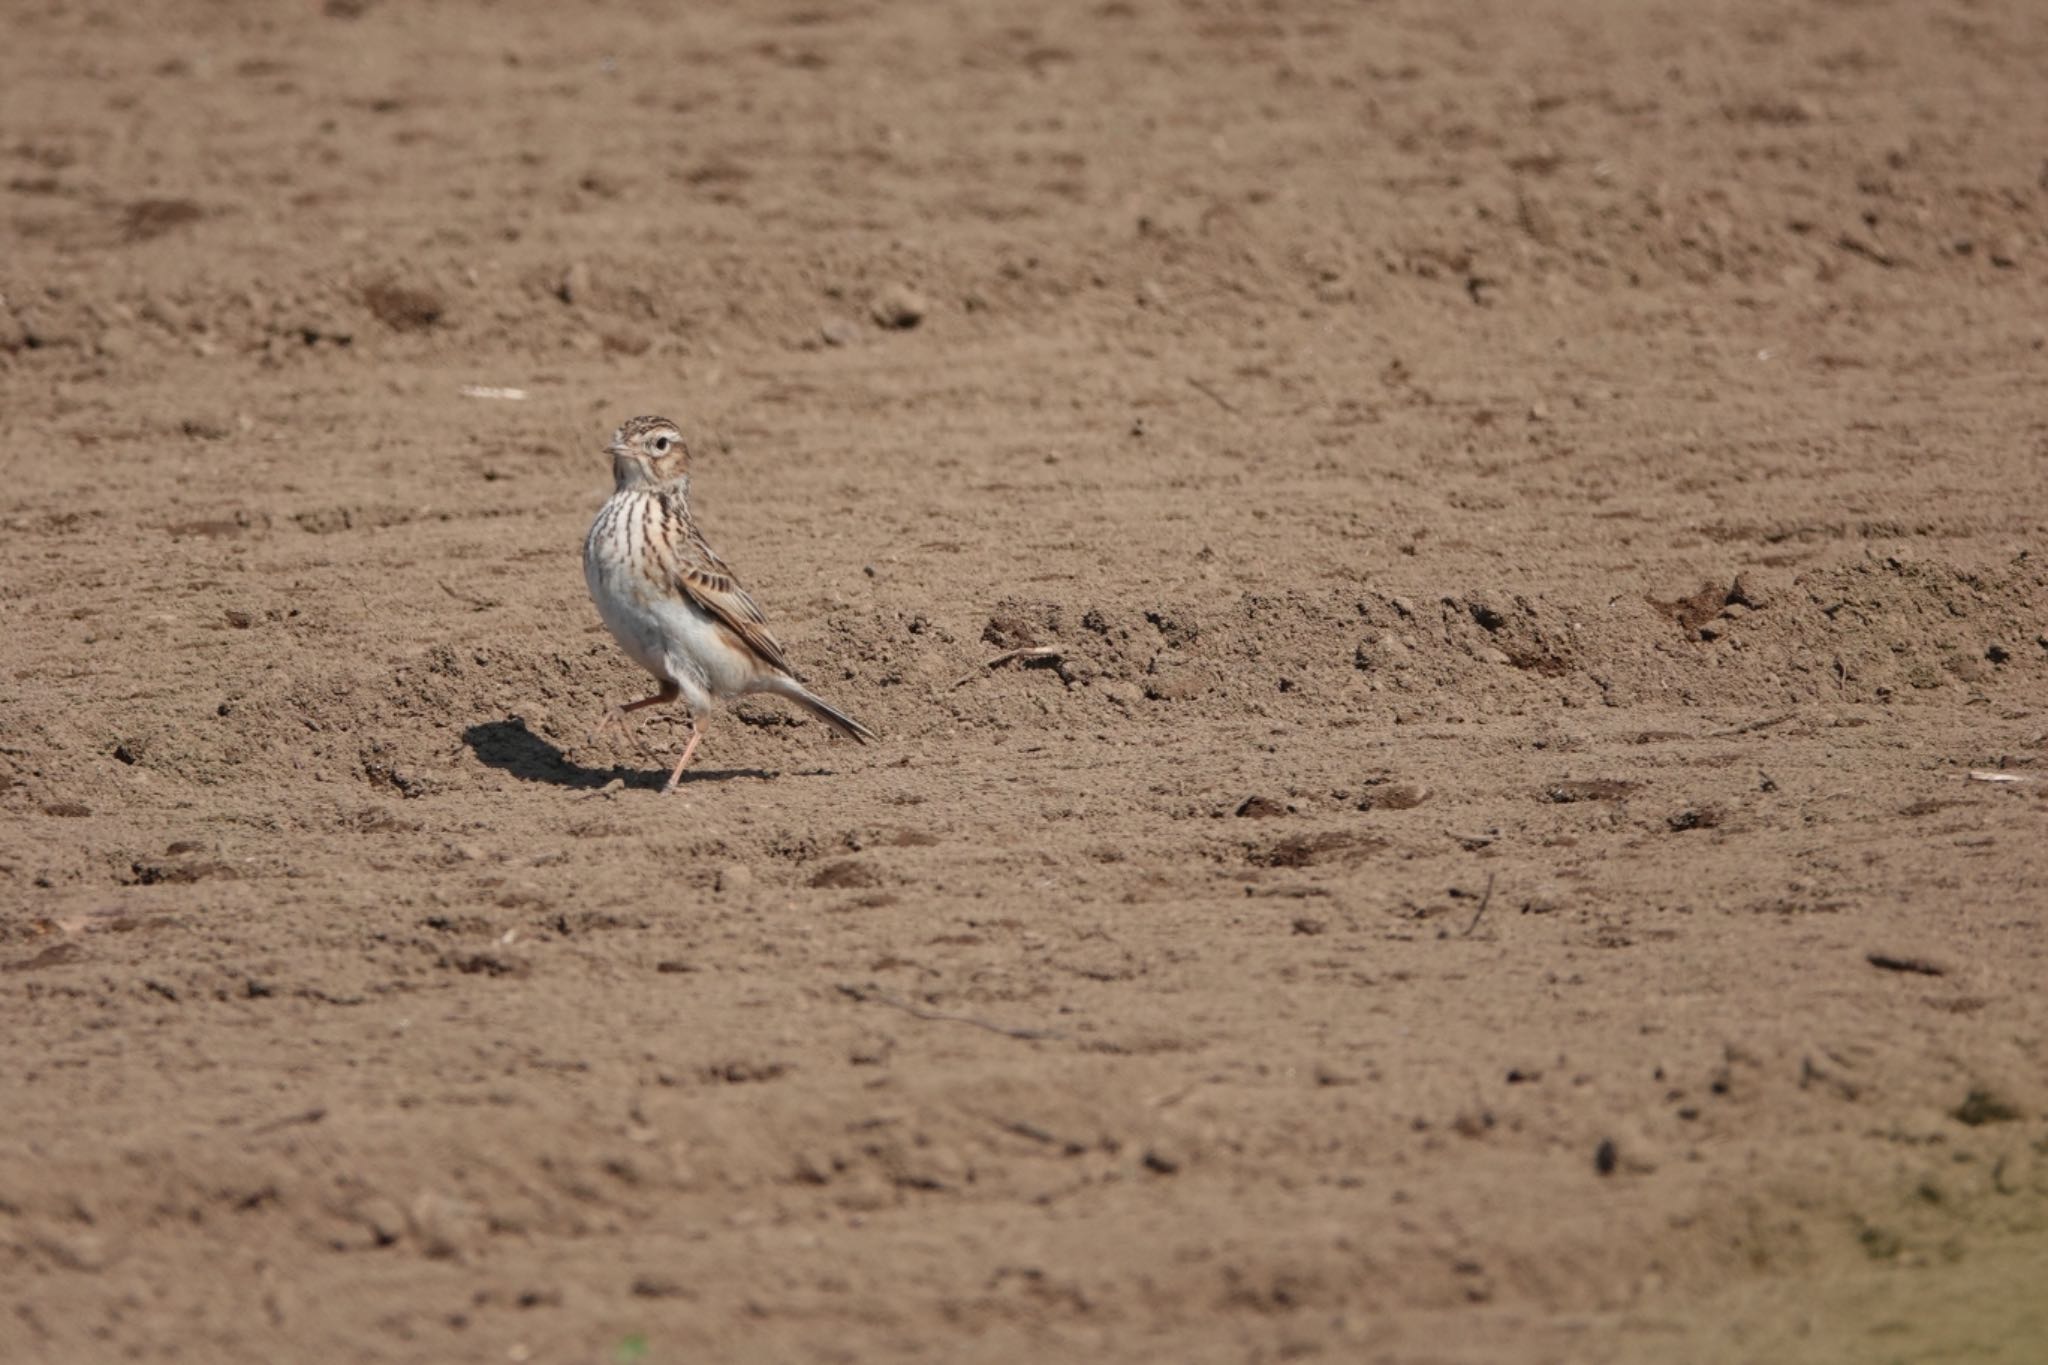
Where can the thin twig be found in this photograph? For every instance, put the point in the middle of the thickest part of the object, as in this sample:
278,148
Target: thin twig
1027,1130
1919,966
1218,399
480,603
1179,1093
1752,727
313,1115
1978,776
1028,652
1485,899
868,995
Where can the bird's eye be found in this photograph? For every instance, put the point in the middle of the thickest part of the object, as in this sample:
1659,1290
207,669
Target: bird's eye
661,444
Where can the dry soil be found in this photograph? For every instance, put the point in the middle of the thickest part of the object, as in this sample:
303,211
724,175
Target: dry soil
1526,524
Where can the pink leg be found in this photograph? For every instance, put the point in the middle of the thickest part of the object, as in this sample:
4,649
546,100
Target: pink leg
696,733
669,692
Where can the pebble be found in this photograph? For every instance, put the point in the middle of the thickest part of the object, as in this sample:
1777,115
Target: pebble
1164,1158
1394,796
734,879
839,332
445,1228
383,1219
900,308
575,284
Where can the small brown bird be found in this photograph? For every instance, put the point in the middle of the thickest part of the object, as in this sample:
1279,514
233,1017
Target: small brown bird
671,603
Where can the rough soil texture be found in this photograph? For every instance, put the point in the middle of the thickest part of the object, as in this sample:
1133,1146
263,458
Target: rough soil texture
1529,516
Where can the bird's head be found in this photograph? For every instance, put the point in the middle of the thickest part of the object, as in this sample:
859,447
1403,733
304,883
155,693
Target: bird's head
647,451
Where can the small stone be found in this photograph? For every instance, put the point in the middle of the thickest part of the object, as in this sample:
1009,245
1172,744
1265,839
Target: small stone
626,341
659,1287
839,332
385,1221
1982,1106
403,307
72,1250
1539,412
575,284
1998,654
900,308
1259,808
1606,1156
734,879
446,1228
1395,796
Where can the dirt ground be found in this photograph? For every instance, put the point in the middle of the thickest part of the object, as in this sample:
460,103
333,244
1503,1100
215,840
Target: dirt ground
1528,518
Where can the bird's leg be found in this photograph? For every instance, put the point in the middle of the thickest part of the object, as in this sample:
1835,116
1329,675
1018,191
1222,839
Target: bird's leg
617,716
696,733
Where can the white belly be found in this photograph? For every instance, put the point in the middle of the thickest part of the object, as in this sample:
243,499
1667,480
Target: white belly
665,633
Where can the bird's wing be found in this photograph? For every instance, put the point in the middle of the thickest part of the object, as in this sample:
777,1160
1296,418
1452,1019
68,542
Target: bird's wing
704,577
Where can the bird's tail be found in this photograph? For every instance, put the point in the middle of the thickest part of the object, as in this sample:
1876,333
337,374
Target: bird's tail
822,709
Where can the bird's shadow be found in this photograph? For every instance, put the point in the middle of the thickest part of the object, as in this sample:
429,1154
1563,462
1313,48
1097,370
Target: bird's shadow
509,746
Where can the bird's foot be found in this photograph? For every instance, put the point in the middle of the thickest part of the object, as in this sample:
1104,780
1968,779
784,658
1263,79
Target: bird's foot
620,718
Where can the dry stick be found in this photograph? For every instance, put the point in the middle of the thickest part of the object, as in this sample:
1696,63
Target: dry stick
480,603
1176,1095
1218,399
870,996
1026,1130
1892,963
1028,652
313,1115
1752,727
1485,899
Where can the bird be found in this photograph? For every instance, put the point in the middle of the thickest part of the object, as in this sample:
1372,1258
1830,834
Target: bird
673,605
